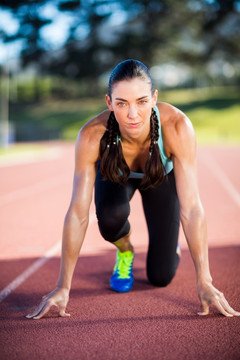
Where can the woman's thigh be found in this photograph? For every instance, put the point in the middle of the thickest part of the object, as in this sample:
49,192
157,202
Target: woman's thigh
112,207
161,208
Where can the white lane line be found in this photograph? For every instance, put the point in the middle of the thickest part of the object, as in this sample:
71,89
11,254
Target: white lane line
35,266
222,178
33,189
29,271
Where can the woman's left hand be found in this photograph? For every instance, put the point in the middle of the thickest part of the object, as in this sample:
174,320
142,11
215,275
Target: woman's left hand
208,294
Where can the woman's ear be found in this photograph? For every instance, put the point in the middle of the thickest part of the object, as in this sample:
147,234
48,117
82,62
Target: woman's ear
155,97
109,103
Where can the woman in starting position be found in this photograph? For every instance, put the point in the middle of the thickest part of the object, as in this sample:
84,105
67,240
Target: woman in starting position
137,144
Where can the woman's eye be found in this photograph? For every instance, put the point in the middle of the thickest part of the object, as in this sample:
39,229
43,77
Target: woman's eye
121,104
142,102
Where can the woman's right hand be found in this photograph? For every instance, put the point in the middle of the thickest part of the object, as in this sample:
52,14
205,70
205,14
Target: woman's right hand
58,297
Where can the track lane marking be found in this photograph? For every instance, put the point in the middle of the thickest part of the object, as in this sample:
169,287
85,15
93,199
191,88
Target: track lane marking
29,271
222,178
35,266
33,189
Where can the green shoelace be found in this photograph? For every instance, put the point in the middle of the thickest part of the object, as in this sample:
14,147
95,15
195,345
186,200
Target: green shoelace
123,264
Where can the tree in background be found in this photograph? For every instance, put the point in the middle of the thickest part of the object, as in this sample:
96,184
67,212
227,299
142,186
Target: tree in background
102,33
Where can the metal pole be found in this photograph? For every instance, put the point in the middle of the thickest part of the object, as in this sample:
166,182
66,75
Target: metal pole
4,112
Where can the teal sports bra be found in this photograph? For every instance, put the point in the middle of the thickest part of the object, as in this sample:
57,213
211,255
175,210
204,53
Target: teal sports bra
167,163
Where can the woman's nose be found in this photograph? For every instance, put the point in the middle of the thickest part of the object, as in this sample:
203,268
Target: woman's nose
132,112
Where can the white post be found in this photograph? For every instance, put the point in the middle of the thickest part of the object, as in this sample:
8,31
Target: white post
4,111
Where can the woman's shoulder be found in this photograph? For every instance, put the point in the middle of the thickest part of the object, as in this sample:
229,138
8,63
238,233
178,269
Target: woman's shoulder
94,129
176,126
173,118
89,136
169,114
96,125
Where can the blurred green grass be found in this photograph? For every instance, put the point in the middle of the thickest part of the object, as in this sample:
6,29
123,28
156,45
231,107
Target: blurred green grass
214,112
23,149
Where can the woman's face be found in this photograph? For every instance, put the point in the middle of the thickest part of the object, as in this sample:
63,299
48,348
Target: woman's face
132,103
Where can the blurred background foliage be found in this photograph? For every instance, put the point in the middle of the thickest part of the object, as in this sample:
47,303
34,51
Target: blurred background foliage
54,86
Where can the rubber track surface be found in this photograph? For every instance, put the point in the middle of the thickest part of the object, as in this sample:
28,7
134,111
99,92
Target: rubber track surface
147,323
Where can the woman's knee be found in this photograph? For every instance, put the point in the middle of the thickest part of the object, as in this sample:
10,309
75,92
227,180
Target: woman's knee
161,279
112,222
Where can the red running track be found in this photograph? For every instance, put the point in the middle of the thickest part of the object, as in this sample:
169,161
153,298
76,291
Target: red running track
147,323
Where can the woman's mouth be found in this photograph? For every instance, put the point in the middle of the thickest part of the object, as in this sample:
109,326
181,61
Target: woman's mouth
134,125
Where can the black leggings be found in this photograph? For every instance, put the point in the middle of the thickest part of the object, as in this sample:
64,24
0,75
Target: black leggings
161,208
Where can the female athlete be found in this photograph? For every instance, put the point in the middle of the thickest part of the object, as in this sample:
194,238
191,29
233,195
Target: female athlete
137,144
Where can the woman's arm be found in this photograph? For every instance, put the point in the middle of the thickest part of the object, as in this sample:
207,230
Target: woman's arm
182,144
75,224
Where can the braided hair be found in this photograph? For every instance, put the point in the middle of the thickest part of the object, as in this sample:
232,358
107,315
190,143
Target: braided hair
154,169
113,165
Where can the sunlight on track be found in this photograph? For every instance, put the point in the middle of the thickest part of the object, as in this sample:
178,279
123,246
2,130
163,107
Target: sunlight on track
222,179
33,189
91,247
30,157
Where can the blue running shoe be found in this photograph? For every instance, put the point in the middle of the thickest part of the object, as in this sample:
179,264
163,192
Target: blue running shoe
122,277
